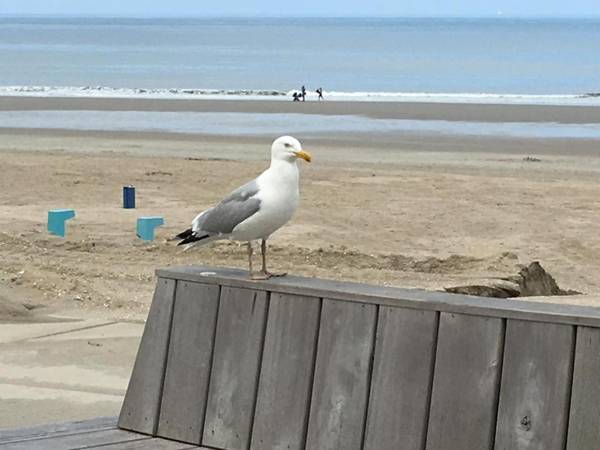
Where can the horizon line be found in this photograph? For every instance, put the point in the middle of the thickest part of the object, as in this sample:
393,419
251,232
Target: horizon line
286,16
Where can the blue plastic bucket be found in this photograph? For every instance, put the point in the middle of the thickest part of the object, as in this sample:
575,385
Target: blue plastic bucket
128,197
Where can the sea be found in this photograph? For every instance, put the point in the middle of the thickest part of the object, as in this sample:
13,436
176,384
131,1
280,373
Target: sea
465,60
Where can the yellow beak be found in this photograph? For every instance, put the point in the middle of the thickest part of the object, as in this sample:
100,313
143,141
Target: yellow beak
304,155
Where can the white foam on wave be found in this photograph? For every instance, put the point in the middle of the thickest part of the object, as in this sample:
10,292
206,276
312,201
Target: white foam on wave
586,99
591,99
110,92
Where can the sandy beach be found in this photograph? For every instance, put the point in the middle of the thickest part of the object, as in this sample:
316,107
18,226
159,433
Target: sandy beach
416,210
424,211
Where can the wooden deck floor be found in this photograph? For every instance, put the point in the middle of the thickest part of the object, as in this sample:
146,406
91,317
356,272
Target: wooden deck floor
101,433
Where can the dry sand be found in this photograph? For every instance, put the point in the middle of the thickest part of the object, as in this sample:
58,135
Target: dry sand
419,211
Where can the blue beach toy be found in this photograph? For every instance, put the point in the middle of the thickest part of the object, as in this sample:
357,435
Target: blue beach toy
146,225
128,197
57,219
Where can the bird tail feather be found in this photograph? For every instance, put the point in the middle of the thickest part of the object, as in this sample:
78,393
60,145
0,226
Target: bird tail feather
184,234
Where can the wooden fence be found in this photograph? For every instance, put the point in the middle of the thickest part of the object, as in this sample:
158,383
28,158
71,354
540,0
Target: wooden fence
303,363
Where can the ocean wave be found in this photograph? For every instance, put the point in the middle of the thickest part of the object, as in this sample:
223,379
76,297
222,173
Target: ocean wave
584,99
108,92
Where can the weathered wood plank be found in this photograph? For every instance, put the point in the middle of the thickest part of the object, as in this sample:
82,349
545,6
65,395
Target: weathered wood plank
286,372
401,383
342,375
142,401
74,441
56,429
189,362
536,380
465,385
234,380
584,419
392,296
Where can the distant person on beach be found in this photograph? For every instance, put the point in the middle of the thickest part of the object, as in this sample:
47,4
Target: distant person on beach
320,92
303,95
296,96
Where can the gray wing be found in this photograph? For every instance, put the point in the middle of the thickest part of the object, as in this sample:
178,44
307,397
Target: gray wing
233,210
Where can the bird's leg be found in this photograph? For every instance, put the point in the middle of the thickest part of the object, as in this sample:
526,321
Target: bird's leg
259,275
263,249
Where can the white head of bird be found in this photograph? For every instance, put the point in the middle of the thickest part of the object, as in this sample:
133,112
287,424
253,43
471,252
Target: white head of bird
288,149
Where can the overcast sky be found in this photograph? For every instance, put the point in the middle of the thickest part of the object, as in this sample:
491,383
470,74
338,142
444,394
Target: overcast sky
190,8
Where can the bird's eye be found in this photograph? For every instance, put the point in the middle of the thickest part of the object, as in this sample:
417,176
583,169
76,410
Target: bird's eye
287,145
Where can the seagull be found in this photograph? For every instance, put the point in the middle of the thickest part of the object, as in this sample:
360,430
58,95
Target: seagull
255,210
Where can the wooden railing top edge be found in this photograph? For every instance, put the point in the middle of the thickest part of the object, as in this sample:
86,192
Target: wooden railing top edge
392,296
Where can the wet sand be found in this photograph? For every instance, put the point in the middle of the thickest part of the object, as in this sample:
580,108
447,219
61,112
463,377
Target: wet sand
379,110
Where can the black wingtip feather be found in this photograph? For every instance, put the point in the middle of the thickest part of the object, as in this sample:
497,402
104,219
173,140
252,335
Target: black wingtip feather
192,237
185,234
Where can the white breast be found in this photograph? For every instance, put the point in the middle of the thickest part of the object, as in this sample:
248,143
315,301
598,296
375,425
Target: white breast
279,196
